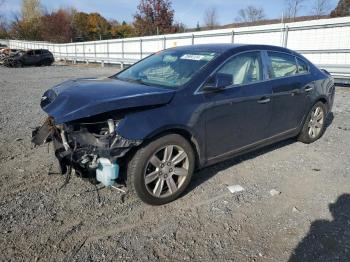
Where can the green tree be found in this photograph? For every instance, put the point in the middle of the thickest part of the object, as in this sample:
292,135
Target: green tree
122,30
90,26
98,27
28,30
342,9
80,25
198,28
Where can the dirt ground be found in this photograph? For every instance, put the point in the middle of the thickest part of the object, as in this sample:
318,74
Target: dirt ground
308,221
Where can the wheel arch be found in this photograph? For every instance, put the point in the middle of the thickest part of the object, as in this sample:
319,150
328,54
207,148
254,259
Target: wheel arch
324,100
185,133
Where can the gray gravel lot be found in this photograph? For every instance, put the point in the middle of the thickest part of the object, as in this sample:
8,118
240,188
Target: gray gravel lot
40,221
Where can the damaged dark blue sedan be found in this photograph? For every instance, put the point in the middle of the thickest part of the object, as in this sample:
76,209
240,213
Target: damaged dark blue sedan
182,109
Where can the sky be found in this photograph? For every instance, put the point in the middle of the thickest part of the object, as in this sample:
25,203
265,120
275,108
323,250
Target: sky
188,12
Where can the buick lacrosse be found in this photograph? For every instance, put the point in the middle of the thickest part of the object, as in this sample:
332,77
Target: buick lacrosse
182,109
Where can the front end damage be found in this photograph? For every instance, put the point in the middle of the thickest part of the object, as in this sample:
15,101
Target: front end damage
87,147
83,123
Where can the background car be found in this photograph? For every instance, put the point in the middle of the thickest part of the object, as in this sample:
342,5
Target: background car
37,57
182,109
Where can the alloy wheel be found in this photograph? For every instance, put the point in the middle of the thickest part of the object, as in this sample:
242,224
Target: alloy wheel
316,122
166,171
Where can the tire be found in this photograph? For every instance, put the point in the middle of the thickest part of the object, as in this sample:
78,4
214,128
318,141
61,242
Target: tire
315,123
159,188
17,64
47,62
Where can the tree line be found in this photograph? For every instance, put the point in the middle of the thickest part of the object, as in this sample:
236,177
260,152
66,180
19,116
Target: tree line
152,17
292,8
68,24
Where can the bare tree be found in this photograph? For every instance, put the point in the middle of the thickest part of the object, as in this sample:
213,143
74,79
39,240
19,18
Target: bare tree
31,9
2,2
320,8
2,21
293,7
211,18
251,14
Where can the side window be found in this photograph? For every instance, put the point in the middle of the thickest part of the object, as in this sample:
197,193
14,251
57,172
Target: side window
282,65
244,68
30,53
303,67
38,52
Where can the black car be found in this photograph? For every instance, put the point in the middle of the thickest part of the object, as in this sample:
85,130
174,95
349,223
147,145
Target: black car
182,109
37,57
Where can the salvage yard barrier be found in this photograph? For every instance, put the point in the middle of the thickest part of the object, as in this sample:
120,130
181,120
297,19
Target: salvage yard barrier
326,42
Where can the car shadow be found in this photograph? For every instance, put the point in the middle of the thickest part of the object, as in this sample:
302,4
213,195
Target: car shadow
329,119
327,240
206,173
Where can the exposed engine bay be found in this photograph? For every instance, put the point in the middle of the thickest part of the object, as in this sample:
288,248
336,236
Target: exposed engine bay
87,147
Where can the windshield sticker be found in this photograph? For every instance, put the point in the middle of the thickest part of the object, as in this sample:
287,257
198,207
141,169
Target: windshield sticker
205,57
192,57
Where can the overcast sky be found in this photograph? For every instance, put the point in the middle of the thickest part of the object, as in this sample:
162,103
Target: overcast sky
186,11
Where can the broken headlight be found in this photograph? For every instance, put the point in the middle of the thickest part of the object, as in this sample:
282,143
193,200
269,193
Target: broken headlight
98,129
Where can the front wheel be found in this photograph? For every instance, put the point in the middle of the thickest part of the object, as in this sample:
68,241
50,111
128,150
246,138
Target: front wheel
161,170
48,62
314,125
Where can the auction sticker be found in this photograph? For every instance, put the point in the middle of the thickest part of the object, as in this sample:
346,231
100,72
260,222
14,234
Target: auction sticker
192,57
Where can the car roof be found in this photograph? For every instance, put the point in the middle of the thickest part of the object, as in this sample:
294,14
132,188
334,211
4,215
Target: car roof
221,48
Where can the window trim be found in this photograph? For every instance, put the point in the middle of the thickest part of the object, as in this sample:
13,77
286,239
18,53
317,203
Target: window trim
264,71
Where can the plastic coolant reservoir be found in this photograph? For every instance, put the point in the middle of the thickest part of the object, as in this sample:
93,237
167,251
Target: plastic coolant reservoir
106,172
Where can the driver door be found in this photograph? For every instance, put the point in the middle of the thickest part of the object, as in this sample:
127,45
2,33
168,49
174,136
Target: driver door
239,115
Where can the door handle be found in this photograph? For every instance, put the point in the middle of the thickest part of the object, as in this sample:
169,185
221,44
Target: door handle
309,89
264,100
295,92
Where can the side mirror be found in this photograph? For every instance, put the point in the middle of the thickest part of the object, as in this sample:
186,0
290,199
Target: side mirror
218,82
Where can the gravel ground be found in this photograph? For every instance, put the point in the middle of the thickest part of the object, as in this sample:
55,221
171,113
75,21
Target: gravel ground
40,221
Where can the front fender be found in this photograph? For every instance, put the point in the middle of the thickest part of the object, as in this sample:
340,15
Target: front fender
147,124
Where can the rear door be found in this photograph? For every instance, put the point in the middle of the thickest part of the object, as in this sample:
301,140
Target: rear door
239,115
30,58
290,84
38,57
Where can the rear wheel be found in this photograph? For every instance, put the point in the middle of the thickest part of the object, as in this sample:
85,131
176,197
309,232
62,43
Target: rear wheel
47,62
161,170
314,125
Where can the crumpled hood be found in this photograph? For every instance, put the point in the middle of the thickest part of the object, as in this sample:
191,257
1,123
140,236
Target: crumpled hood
80,98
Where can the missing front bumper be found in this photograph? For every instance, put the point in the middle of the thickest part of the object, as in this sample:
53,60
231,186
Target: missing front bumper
80,149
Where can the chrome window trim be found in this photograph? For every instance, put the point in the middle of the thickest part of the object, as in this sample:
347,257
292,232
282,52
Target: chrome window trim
266,63
296,63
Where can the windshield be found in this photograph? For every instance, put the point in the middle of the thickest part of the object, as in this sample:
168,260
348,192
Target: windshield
170,68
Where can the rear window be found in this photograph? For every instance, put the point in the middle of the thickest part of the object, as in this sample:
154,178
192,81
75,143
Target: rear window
282,65
303,67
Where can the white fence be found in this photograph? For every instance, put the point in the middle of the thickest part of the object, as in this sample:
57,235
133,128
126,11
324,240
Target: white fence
325,42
